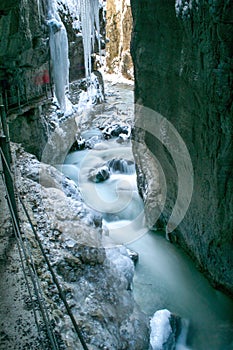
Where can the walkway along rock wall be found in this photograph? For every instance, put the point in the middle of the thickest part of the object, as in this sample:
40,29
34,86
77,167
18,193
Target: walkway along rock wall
183,70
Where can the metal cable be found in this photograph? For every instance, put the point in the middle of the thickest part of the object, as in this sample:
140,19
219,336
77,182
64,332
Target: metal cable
30,295
38,287
29,291
6,163
55,280
41,300
26,279
38,296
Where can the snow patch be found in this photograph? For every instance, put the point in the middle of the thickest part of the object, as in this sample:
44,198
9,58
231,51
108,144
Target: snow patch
160,329
92,96
183,7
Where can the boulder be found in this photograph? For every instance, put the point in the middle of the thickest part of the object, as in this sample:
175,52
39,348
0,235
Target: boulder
165,328
99,175
120,165
115,130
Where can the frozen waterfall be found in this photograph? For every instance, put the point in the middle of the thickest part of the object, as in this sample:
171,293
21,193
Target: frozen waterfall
88,10
59,54
87,14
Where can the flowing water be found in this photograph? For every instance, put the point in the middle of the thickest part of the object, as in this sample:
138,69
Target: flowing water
164,277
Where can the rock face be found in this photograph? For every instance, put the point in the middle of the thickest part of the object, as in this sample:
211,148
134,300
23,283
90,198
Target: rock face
24,69
118,31
24,72
182,53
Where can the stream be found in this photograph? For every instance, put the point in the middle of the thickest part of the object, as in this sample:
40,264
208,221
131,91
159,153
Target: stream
165,277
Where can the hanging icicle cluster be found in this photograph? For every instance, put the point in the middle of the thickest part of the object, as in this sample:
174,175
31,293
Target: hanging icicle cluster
59,54
88,12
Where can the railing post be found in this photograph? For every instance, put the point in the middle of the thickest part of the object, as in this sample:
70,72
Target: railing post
8,176
5,132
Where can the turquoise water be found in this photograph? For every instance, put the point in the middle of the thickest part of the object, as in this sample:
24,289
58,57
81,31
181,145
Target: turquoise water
164,276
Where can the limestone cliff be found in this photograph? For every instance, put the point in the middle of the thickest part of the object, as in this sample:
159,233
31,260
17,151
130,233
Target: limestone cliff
118,31
24,55
182,53
24,69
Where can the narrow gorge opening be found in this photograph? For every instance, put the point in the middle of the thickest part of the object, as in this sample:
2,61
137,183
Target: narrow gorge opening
127,285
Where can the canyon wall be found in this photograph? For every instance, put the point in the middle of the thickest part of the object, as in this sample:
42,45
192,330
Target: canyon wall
182,53
24,54
118,31
26,83
24,70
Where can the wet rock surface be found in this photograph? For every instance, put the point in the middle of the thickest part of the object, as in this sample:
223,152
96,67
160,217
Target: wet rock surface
100,174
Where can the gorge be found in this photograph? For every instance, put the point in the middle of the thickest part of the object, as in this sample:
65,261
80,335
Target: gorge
181,123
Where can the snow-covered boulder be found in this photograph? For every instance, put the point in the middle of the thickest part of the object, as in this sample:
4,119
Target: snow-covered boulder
165,328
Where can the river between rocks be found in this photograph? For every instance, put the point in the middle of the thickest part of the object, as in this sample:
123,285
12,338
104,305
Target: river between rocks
164,276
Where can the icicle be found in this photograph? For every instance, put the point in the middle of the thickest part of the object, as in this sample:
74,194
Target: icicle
88,15
59,54
89,12
38,9
87,34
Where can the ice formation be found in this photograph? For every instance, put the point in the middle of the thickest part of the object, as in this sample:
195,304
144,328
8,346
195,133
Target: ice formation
38,8
85,15
88,11
59,54
92,96
183,7
160,329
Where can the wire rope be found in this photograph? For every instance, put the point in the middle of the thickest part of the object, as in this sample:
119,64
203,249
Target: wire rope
54,277
39,297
